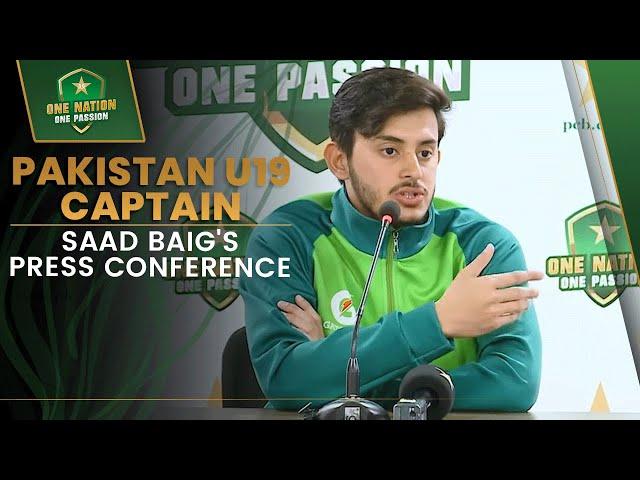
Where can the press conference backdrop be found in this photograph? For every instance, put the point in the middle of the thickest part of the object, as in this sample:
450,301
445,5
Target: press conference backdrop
512,151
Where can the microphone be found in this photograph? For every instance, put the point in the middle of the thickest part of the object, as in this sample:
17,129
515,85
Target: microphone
352,407
426,392
389,212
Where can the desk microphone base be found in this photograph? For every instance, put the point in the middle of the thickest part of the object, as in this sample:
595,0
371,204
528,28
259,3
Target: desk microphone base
351,408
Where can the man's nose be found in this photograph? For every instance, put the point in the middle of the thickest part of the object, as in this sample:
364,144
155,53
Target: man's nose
410,166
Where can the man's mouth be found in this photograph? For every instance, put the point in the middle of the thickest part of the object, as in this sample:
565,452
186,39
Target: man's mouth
410,197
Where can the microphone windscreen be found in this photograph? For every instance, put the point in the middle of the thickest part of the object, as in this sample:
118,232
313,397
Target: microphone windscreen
424,377
436,382
391,208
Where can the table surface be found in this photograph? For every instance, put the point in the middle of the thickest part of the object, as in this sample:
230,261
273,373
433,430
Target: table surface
213,413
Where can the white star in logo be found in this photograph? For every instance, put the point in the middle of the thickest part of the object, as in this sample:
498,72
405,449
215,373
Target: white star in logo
81,86
604,231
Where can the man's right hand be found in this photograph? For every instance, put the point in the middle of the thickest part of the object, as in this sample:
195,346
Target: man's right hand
474,305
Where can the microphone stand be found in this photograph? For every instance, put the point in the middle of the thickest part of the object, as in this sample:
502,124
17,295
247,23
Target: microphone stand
353,369
353,407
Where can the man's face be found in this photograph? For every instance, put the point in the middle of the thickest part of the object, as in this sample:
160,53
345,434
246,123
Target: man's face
399,163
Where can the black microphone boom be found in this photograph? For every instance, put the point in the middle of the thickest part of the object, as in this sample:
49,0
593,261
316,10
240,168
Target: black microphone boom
352,407
389,213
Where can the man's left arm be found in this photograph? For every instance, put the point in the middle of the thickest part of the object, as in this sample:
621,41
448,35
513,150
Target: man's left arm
506,374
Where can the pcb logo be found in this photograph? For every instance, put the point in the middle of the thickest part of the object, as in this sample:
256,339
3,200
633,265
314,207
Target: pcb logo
217,292
600,261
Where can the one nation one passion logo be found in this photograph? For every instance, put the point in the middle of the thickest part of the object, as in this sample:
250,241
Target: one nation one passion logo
600,260
81,101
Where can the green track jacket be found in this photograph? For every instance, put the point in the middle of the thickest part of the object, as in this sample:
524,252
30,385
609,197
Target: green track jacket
330,245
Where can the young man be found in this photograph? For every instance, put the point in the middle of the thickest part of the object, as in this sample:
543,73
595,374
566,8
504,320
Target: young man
449,289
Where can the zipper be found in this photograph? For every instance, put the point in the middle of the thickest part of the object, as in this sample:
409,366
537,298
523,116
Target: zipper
392,251
395,242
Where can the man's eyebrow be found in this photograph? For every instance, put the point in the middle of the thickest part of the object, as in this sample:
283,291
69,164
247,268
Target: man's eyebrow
391,138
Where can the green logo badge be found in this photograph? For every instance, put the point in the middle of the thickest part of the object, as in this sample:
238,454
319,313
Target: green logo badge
600,261
217,292
81,101
84,89
288,100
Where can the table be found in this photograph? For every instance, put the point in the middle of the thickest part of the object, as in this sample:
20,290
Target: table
212,413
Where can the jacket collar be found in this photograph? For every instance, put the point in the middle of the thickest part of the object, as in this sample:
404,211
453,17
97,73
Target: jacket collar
362,231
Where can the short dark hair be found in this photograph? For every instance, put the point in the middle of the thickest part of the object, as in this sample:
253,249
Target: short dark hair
364,102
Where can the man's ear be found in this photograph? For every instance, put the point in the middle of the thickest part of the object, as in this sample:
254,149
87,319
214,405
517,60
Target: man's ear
439,156
336,161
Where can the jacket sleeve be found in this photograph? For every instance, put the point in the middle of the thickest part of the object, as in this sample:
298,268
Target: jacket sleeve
506,375
291,369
